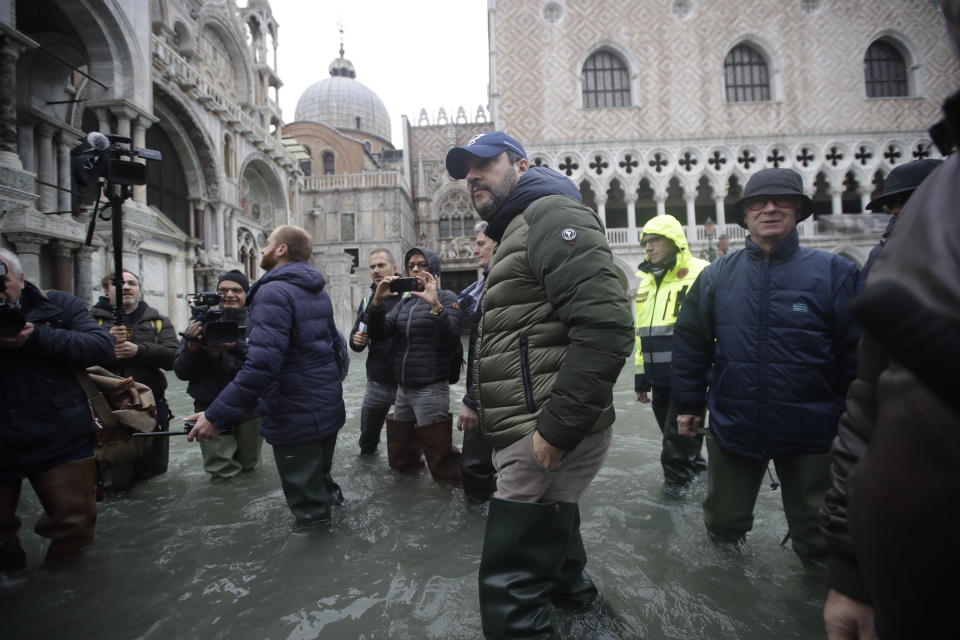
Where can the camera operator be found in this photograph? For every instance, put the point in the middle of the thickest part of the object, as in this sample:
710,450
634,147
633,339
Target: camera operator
208,369
46,429
146,343
427,326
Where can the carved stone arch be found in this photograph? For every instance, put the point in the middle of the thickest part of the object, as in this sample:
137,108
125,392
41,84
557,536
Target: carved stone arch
198,153
259,177
90,37
856,255
622,52
598,189
229,32
908,49
247,251
770,54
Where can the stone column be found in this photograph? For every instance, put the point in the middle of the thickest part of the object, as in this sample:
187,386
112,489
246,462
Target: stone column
28,250
691,200
84,273
46,169
9,52
63,275
123,123
836,201
64,202
661,200
140,140
25,145
631,199
103,120
602,208
720,214
864,197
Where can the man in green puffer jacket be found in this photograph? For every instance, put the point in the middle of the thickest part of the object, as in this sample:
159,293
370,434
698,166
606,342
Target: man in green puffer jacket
555,333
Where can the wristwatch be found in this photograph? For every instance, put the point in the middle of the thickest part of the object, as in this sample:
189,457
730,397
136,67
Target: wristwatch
436,312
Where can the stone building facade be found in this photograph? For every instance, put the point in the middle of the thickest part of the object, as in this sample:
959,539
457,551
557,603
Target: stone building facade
195,80
656,106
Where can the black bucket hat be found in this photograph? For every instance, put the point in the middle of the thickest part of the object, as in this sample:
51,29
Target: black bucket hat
903,181
774,182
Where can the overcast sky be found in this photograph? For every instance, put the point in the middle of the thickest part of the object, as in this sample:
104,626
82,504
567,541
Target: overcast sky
413,54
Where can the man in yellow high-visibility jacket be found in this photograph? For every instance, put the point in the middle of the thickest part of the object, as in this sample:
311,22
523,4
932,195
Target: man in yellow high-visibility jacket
665,277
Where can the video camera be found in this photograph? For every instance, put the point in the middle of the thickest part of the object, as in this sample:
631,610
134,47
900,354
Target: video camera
220,326
105,159
11,318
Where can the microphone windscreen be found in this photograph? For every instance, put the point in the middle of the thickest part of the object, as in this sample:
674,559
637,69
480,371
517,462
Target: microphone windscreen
98,141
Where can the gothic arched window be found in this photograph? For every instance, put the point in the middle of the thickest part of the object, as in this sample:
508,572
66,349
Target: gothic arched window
247,253
605,81
885,71
746,75
166,181
456,215
329,163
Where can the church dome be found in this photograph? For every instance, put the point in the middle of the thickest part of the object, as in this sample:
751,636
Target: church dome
341,101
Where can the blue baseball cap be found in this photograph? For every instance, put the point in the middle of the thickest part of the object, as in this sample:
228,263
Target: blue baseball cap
483,145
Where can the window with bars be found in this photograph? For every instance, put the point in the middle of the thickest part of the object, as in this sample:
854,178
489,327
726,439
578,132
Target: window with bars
606,82
885,71
746,75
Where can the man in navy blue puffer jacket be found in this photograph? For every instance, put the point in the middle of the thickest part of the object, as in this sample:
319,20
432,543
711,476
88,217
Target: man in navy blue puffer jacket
766,330
291,370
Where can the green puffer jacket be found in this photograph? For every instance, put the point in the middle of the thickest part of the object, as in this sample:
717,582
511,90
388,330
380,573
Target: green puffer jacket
556,328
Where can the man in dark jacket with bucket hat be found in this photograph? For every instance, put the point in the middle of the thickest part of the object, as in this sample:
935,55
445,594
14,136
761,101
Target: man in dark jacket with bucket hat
291,373
897,188
766,330
555,333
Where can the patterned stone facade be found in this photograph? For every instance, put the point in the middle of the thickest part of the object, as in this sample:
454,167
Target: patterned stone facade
194,79
680,147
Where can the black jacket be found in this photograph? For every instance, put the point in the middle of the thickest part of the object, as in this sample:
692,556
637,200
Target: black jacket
155,336
380,355
44,415
208,371
424,341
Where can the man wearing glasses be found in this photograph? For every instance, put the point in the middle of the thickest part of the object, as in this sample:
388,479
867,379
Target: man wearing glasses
765,343
209,368
426,323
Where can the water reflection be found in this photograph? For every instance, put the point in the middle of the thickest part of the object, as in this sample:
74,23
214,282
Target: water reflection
180,557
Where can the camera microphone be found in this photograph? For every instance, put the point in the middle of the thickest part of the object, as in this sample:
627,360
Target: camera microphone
98,141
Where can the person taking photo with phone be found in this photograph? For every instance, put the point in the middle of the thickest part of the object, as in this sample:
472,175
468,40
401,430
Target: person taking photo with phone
426,323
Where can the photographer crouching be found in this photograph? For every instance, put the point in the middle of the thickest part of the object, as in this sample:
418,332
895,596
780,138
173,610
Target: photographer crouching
46,428
146,343
208,363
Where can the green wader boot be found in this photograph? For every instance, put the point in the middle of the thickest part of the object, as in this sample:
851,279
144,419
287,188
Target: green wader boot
524,564
301,469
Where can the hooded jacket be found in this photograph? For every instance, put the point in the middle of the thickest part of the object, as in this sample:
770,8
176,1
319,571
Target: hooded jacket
155,338
659,299
555,318
45,419
424,341
771,338
290,372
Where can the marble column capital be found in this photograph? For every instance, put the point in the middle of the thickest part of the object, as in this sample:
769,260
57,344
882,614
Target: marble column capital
45,130
27,242
65,248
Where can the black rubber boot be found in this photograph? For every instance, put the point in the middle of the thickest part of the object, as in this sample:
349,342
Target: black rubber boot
523,551
329,446
574,588
301,469
476,466
371,425
680,456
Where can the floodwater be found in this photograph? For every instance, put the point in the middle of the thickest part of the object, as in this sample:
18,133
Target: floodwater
180,557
